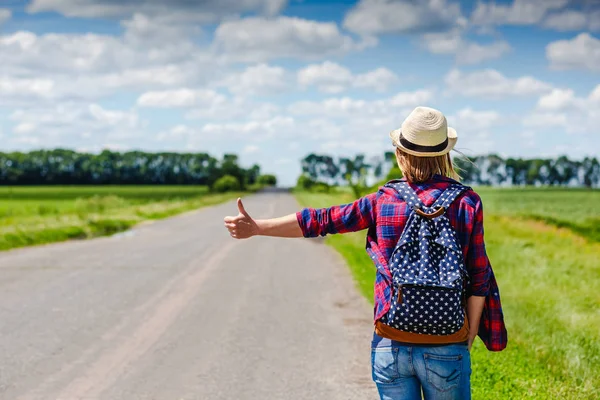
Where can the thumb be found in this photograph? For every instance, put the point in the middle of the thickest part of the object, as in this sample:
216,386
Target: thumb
241,207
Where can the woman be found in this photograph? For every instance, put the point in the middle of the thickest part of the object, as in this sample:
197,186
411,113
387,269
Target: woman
411,358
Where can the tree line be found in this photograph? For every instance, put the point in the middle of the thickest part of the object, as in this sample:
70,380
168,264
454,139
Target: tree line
68,167
321,171
561,171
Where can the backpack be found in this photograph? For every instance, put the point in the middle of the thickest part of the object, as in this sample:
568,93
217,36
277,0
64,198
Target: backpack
427,267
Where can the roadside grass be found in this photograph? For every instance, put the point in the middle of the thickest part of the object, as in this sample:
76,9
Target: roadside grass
548,278
38,215
575,209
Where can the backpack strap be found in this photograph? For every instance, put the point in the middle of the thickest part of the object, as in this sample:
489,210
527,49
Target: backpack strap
449,195
406,193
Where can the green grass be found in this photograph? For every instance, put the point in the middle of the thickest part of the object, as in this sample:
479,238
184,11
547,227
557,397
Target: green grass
37,215
575,209
548,278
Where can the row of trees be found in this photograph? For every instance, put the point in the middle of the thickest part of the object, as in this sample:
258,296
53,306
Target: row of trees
321,171
481,170
562,171
67,167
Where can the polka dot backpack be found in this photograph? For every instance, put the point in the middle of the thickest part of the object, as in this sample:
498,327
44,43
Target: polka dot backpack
427,267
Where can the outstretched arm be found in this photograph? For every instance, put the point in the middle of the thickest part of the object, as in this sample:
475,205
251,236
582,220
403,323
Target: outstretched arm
243,226
309,222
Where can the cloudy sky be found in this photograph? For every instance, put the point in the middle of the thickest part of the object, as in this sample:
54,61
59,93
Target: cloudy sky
273,80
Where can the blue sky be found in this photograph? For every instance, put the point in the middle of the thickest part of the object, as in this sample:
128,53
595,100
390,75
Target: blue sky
273,80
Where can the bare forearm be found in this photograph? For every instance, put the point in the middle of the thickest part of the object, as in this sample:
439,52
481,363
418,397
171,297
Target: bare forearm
474,310
286,226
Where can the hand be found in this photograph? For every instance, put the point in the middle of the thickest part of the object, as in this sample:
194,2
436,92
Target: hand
470,342
241,226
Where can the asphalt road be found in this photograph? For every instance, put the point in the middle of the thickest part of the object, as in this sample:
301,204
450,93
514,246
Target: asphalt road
178,310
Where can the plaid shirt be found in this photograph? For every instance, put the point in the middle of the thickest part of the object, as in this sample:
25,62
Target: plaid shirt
384,214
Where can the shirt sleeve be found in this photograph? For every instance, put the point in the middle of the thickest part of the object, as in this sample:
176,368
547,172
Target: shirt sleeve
338,219
478,263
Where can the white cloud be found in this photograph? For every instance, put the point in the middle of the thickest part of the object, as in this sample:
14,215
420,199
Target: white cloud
183,98
409,99
333,107
330,77
25,127
379,79
489,83
5,15
259,39
113,117
551,14
519,12
254,130
353,134
251,148
204,11
568,20
72,124
562,108
595,94
468,119
372,17
465,52
84,53
545,119
475,129
27,51
234,109
474,53
260,79
378,111
178,132
141,29
565,99
160,75
90,66
581,52
64,115
559,100
14,89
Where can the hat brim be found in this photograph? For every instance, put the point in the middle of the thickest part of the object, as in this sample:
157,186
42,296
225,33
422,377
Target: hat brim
452,139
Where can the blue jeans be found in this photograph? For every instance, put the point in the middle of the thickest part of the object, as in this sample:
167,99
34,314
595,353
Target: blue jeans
402,371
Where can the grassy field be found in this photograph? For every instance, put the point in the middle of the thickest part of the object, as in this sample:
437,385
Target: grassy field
35,215
544,247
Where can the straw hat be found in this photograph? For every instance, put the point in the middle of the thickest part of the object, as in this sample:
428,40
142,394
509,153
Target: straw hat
425,133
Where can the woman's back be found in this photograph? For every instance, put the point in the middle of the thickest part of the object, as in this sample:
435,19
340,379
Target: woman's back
416,260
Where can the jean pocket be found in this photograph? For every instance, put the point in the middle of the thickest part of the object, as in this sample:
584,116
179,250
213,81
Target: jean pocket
384,364
443,371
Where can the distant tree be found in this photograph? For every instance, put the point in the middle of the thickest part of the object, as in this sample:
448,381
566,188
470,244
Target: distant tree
467,169
320,167
496,169
516,169
227,183
305,182
269,180
394,171
67,167
253,174
354,171
590,172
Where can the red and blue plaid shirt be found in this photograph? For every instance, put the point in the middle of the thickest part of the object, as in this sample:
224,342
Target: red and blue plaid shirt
384,214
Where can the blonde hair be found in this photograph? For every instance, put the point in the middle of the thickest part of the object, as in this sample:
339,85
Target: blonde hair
420,169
